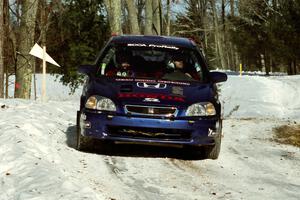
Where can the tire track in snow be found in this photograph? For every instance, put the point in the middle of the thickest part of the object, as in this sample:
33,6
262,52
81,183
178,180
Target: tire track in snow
186,166
122,169
162,181
116,166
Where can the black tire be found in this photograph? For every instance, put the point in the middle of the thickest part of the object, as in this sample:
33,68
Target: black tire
212,152
78,118
83,143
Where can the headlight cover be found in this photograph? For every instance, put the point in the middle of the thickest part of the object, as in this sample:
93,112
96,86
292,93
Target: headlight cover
201,109
100,103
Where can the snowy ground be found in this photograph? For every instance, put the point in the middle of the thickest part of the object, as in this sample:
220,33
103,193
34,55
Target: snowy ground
38,159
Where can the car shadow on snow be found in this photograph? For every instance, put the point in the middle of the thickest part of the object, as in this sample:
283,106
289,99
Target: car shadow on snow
133,150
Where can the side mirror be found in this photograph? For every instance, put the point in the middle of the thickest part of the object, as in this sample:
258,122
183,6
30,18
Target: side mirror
87,69
217,77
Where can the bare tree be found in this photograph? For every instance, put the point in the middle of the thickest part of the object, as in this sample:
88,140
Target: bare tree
133,18
157,17
232,7
26,41
140,5
4,46
113,8
9,47
218,37
1,49
223,16
195,23
232,57
43,24
148,17
168,17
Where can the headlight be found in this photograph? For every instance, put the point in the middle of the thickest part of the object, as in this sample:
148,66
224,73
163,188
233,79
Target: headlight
201,109
100,103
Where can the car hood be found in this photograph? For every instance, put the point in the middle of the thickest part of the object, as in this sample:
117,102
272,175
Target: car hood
152,92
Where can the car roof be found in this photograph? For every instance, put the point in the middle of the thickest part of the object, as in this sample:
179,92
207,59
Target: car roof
157,40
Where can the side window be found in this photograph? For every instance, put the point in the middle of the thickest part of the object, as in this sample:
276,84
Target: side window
196,67
108,62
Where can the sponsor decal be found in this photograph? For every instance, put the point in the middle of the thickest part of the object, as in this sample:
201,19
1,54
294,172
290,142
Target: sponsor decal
137,45
151,96
152,45
153,81
151,100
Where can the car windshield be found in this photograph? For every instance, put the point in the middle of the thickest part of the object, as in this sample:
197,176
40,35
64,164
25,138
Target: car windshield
151,62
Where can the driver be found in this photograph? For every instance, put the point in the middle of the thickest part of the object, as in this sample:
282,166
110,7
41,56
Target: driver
179,69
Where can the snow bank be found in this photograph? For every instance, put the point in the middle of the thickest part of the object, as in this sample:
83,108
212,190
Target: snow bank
32,137
258,96
55,90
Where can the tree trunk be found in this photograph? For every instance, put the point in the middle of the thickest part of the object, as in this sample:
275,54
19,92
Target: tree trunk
40,37
263,63
113,8
140,5
223,16
231,63
223,35
290,68
271,64
43,21
1,49
218,38
168,17
293,67
232,8
26,41
8,50
268,66
148,16
133,19
156,6
237,60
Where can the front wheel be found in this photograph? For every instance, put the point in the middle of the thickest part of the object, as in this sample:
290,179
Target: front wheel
212,152
82,142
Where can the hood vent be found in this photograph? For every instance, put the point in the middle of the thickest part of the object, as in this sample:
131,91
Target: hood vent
152,85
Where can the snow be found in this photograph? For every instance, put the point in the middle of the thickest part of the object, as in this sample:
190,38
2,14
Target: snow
257,96
38,159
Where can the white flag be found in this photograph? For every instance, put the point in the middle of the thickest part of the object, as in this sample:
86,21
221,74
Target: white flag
37,51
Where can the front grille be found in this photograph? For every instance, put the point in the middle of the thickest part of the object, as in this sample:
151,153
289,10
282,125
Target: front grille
149,133
151,110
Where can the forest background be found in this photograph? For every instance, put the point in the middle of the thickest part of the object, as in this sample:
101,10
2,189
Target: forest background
261,35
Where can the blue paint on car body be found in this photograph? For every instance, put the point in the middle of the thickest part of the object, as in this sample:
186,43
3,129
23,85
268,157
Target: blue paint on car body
149,105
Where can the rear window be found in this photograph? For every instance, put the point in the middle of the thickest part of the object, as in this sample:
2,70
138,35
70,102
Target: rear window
151,61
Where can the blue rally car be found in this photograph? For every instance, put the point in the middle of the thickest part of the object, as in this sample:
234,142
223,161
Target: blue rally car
151,90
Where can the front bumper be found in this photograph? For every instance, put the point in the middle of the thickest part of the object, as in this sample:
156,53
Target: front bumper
152,131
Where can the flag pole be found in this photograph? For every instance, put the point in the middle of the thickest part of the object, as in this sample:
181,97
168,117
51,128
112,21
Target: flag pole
41,53
44,75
